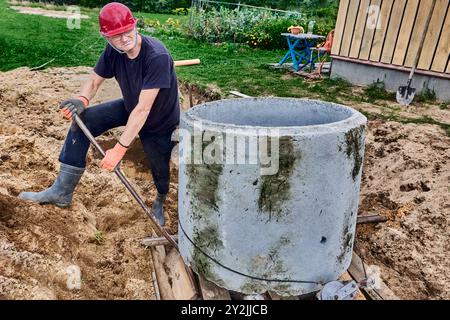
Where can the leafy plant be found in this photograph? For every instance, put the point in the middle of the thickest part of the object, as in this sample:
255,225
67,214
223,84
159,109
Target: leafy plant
98,238
426,95
377,91
171,27
180,11
257,28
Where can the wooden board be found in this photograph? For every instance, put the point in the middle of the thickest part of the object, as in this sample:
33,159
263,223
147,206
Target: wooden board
340,24
163,281
432,38
156,286
359,28
349,27
356,271
448,67
405,32
274,296
371,25
380,34
419,29
392,31
443,49
182,286
210,291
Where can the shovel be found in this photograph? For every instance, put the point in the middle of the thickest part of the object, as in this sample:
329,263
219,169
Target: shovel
127,184
120,174
405,94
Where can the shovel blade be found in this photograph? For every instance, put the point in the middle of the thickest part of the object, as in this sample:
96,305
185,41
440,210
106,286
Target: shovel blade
405,95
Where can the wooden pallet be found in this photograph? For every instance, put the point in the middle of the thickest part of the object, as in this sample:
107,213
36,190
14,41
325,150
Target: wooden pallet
174,283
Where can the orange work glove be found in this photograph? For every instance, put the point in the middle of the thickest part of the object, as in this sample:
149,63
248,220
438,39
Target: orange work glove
113,157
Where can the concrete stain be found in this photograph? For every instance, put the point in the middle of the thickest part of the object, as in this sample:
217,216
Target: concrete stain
354,140
275,189
346,244
269,267
203,182
208,241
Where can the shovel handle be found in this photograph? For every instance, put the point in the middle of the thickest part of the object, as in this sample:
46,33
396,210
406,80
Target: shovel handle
125,181
191,62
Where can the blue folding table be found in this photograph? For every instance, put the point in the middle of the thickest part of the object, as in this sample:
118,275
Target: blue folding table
299,49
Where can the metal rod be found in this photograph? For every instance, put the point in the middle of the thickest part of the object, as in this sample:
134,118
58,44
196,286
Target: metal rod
126,183
370,219
160,241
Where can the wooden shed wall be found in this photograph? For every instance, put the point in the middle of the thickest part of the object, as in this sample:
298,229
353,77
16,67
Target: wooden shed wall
388,32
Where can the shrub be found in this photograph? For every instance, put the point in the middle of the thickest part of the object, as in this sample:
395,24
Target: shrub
171,27
258,28
267,33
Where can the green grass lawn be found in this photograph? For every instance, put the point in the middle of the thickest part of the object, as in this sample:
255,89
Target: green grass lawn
32,40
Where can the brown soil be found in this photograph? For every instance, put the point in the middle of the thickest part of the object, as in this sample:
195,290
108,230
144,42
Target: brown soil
101,231
47,12
406,178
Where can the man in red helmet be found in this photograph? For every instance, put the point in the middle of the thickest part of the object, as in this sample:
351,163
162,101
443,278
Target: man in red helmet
149,108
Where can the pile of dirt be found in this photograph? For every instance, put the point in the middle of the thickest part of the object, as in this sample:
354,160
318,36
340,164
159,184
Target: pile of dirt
42,247
68,14
406,179
92,250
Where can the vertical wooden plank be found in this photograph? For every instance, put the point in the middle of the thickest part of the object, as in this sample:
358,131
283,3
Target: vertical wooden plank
405,32
448,67
392,32
339,29
372,22
418,31
434,30
443,48
182,286
380,34
349,27
356,271
359,28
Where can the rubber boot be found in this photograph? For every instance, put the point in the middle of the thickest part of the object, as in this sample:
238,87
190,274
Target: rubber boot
157,208
61,192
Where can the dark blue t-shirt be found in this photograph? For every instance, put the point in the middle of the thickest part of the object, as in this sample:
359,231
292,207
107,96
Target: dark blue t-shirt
152,68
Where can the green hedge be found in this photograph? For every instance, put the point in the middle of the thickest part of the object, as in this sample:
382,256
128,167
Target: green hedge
158,6
164,6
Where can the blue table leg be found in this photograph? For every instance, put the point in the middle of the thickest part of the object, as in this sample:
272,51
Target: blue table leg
308,58
295,54
291,53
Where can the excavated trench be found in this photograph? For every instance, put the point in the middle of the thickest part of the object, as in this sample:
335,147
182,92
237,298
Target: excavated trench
92,250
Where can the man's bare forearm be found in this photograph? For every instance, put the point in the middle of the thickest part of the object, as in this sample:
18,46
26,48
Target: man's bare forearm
138,116
135,123
89,89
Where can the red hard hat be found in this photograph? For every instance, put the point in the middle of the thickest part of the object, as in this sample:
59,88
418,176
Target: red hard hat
115,18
